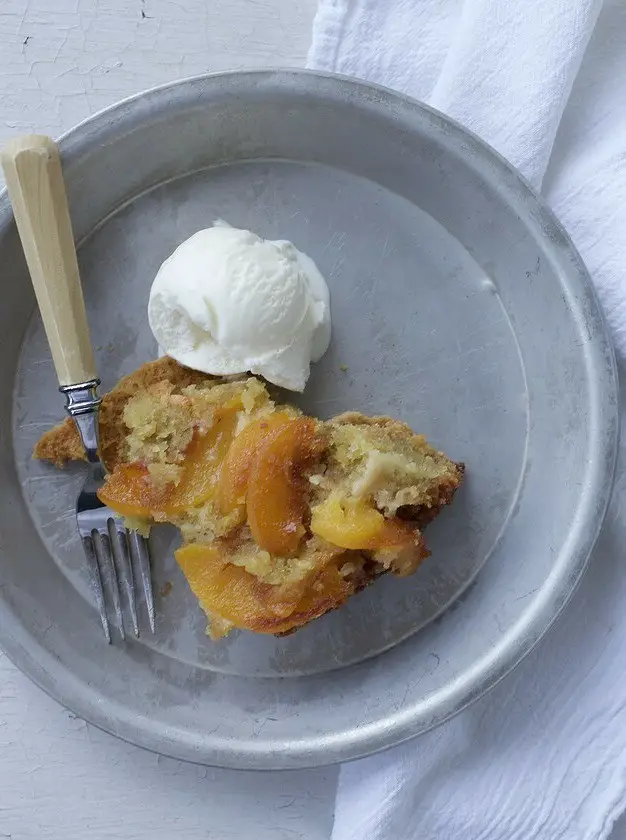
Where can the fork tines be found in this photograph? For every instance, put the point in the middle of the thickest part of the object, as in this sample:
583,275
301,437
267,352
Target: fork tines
115,555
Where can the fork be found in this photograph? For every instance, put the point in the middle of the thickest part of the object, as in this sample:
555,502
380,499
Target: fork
32,168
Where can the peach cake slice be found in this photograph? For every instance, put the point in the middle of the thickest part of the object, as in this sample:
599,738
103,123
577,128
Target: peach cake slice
282,516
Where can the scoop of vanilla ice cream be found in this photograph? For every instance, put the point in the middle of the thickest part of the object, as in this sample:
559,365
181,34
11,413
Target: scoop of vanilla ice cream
227,301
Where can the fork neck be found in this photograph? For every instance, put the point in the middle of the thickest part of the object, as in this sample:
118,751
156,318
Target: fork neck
82,403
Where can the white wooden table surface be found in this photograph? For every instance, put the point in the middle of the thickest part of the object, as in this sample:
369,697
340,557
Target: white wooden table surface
61,779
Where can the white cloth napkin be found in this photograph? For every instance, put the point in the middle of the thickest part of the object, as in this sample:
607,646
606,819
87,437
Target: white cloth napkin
543,756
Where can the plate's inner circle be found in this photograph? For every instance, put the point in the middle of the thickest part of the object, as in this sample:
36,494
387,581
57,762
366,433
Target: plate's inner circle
420,333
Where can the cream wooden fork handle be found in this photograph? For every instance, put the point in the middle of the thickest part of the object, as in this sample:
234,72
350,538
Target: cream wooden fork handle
32,169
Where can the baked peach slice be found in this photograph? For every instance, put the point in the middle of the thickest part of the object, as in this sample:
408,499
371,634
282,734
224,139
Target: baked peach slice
233,594
235,470
356,524
130,490
277,497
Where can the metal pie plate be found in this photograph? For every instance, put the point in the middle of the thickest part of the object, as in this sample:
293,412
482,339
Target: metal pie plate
459,305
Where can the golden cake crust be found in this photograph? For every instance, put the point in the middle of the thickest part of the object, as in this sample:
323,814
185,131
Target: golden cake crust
62,443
